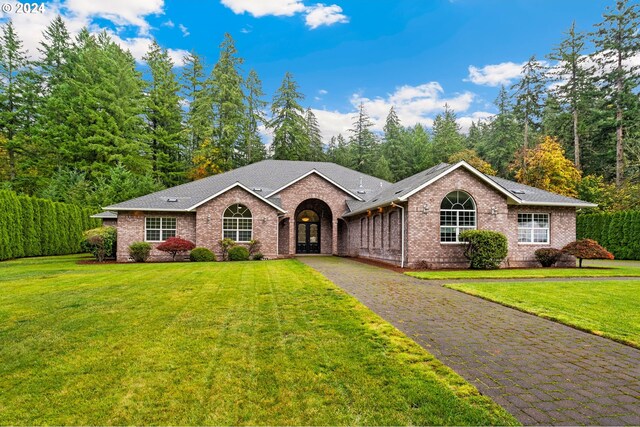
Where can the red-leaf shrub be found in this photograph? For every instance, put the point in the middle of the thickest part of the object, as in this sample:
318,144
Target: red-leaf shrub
548,256
173,245
587,249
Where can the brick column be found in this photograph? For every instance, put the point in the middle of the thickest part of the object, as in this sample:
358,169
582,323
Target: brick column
334,236
292,236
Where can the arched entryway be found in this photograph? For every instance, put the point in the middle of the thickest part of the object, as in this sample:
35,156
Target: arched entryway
313,227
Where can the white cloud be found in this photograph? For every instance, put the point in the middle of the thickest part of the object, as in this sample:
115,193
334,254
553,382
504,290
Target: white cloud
496,74
120,12
138,46
316,15
475,117
323,92
78,14
185,30
413,104
320,15
259,8
168,24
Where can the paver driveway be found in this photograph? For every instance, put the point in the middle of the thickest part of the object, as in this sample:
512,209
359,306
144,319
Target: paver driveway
540,371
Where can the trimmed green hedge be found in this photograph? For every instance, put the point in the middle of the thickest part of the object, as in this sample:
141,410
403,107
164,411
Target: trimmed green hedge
618,232
33,227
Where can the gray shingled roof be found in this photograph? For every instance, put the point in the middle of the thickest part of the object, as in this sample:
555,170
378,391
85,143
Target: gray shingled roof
262,178
532,195
521,194
266,177
396,191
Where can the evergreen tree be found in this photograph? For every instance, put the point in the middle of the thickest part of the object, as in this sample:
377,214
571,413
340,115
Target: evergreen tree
314,136
447,138
199,115
418,146
617,42
54,49
164,117
102,103
252,149
339,152
394,146
13,61
363,142
382,169
572,77
529,97
228,104
290,141
500,138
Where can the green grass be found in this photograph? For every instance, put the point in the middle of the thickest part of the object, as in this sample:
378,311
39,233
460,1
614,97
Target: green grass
211,343
606,308
528,273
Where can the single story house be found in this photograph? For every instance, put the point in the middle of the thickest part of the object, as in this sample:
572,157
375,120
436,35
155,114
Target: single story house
295,207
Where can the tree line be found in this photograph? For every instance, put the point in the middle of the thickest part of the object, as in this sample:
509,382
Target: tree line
85,124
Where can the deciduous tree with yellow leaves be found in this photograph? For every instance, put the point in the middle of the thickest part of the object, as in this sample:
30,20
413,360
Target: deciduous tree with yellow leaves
546,167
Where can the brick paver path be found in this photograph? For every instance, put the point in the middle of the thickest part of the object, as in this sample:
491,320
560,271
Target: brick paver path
540,371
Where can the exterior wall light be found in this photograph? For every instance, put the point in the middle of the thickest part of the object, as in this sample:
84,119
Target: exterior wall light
425,208
494,211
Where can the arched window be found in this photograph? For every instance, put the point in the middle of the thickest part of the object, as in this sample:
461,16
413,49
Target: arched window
237,223
457,214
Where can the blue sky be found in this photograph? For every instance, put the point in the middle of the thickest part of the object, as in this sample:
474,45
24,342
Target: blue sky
414,54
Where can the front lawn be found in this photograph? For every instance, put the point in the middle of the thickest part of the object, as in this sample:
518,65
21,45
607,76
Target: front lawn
529,273
211,343
607,308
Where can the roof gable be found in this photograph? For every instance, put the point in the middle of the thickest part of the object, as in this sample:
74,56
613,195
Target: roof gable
313,171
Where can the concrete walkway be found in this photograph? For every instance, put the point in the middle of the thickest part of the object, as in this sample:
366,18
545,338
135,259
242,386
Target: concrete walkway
540,371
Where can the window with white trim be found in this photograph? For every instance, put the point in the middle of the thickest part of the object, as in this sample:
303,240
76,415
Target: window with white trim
237,223
533,228
159,229
457,214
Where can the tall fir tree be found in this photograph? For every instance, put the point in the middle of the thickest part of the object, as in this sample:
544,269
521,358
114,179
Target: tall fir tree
500,137
617,42
572,80
252,149
529,98
102,101
363,142
394,147
290,140
54,50
228,104
338,151
316,147
198,116
164,118
447,136
13,62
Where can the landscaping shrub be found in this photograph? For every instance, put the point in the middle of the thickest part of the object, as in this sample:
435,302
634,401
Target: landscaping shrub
101,242
238,253
202,255
548,256
258,256
175,245
485,249
225,245
254,247
140,251
587,249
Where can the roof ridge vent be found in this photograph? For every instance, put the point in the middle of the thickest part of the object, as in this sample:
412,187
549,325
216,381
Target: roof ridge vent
172,199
